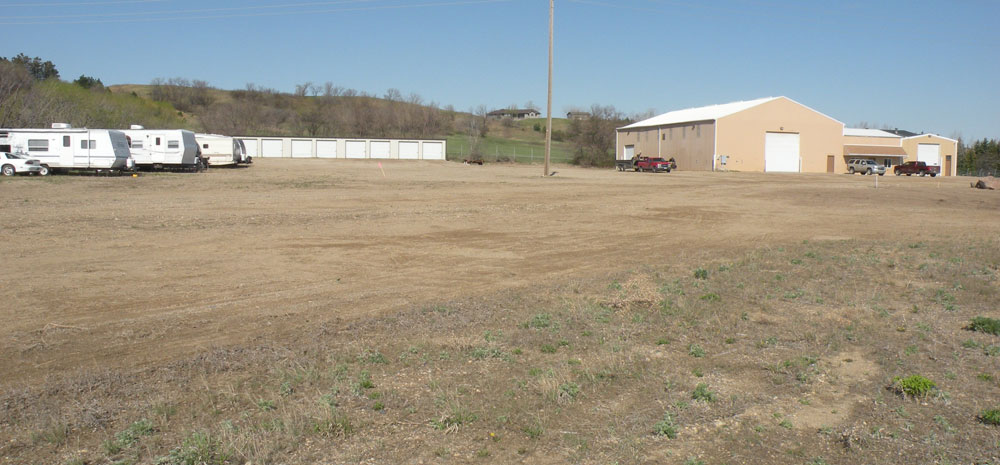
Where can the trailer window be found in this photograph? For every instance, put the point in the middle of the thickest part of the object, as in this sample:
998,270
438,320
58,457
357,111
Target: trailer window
38,145
204,146
85,145
172,144
137,144
65,141
157,141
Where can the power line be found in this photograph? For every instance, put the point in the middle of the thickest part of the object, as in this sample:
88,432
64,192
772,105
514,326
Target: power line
250,15
202,10
109,2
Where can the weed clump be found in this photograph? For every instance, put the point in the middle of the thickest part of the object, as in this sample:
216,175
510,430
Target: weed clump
665,427
701,273
913,386
196,449
985,325
990,417
702,393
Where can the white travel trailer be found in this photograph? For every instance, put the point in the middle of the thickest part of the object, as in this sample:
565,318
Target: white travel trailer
66,148
221,150
164,148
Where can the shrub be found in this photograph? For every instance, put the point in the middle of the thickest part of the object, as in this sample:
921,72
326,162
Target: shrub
985,325
914,386
665,427
701,273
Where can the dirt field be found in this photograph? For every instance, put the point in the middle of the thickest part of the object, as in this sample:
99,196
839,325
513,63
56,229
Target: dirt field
131,274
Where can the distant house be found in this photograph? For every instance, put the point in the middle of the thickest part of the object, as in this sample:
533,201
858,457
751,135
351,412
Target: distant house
578,115
513,114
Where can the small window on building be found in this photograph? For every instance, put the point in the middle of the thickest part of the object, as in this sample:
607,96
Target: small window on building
65,141
172,144
663,137
38,145
157,141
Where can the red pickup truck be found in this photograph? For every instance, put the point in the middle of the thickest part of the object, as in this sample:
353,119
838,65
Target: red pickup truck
916,167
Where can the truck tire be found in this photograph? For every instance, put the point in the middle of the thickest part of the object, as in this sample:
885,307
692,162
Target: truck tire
850,170
881,174
869,173
897,172
933,174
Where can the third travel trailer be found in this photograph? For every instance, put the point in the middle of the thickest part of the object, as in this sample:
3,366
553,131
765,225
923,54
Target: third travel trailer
221,150
63,147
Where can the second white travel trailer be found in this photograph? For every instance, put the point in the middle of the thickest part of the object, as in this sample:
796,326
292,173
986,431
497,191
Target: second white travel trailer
63,148
164,149
221,150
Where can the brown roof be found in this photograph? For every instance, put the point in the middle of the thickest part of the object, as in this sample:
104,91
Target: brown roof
872,150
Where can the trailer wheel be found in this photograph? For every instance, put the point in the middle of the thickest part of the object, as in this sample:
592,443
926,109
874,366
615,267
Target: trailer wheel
7,170
45,170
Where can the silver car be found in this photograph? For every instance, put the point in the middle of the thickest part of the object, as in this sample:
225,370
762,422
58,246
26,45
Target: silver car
865,166
11,164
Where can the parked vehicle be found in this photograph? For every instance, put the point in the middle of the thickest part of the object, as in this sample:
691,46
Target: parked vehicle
156,149
654,164
916,167
11,164
66,148
220,150
865,166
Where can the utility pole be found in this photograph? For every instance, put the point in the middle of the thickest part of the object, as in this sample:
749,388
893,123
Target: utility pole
548,119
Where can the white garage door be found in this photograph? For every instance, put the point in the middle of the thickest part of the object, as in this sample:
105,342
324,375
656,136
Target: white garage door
251,146
356,149
409,150
270,148
326,149
302,149
781,152
381,148
929,153
433,151
629,152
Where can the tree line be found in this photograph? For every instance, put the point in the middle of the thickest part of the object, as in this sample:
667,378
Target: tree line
982,158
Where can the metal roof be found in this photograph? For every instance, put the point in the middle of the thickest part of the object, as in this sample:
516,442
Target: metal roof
711,112
859,132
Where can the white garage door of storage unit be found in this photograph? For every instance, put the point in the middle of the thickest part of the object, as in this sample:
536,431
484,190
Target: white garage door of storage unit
929,153
356,149
409,150
271,148
433,151
326,149
302,149
781,152
629,152
251,145
381,148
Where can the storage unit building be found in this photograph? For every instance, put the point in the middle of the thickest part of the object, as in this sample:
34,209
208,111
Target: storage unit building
774,134
302,147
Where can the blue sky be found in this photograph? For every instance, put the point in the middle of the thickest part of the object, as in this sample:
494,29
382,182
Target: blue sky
919,65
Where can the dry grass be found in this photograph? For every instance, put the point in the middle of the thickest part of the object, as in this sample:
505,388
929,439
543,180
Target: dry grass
801,343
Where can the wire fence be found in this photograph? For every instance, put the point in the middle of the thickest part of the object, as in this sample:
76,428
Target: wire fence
518,153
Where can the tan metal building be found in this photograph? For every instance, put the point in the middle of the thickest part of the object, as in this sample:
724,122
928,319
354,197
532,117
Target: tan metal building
934,150
774,134
874,144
